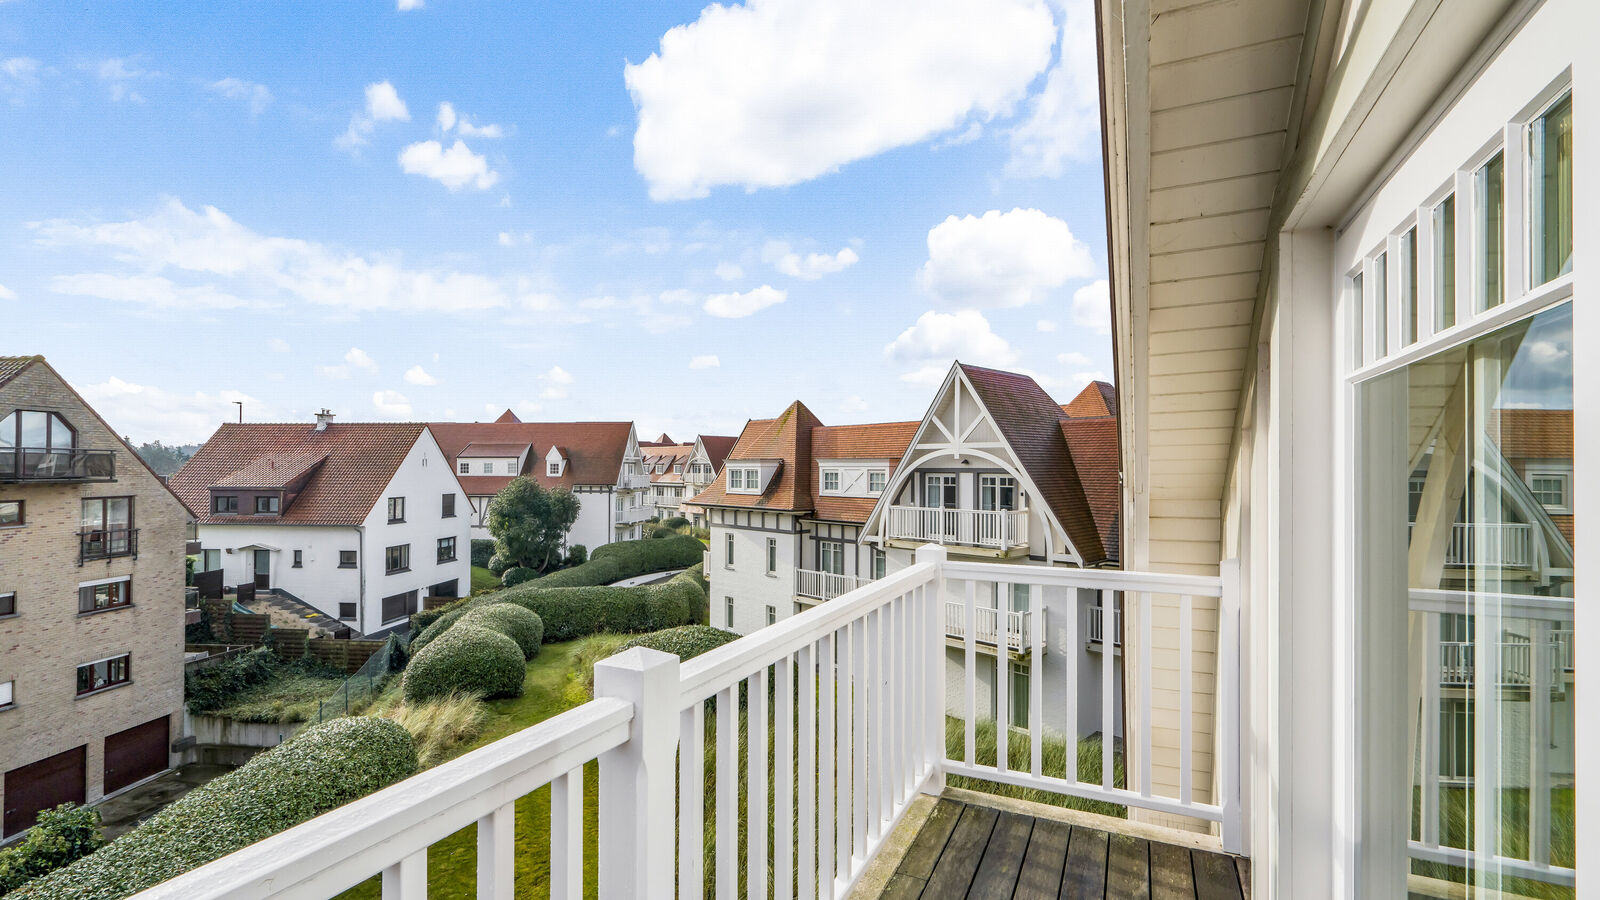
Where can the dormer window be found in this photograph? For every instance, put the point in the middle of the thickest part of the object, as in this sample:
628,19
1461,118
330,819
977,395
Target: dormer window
464,468
877,481
745,480
735,479
267,505
677,469
488,468
553,468
830,480
225,505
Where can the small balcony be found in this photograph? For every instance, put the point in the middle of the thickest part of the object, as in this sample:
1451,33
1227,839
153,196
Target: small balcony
986,626
107,543
1502,544
39,465
1094,626
810,584
640,482
628,515
992,532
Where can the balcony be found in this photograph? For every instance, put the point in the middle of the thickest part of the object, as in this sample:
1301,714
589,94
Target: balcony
107,543
846,714
1094,626
1000,532
37,465
814,585
628,515
639,482
1503,544
986,627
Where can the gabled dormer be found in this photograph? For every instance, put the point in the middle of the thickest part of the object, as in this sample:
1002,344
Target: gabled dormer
556,462
752,476
267,485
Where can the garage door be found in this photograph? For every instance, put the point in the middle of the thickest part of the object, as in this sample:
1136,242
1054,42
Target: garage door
42,785
136,754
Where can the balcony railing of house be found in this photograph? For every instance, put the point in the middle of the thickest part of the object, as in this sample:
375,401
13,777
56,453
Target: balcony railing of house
843,704
825,585
1094,625
1530,663
986,625
1508,544
640,482
105,543
991,529
39,464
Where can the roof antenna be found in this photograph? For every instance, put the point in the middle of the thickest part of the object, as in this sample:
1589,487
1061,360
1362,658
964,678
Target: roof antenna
240,404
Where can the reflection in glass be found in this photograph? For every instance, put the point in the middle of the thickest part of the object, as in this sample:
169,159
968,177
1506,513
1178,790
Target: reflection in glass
1475,606
1490,185
1444,264
1380,306
1551,140
1408,288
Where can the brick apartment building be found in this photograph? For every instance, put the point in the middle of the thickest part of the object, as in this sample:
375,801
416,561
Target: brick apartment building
91,602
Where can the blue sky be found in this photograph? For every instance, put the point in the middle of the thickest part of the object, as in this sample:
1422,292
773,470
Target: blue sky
686,216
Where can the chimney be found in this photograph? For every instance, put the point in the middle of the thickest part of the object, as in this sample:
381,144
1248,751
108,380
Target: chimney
322,419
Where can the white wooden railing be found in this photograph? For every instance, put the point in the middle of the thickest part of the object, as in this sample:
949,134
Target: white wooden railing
844,704
1017,637
1508,544
825,585
999,529
1095,625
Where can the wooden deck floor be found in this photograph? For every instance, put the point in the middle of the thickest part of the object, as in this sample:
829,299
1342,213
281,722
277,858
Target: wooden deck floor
966,850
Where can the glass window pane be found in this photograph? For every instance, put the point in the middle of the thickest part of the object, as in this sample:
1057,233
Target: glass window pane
1552,192
1408,287
1356,287
1380,306
94,513
1469,583
1490,185
8,431
35,429
1444,264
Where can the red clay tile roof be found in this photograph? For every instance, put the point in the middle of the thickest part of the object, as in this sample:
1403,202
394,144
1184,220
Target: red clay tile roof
478,449
507,418
718,446
671,455
483,485
275,470
1093,443
594,449
361,460
1534,433
1030,421
1097,399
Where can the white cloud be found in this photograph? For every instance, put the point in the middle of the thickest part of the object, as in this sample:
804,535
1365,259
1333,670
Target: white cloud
256,95
1073,360
1063,120
383,105
278,345
1001,259
709,361
728,271
359,359
737,306
678,296
556,381
392,404
454,168
448,118
145,412
776,92
207,244
7,293
419,376
120,77
21,74
809,267
1046,325
854,404
938,338
404,5
1091,306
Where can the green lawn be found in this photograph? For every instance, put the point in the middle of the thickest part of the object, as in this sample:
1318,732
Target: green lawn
483,580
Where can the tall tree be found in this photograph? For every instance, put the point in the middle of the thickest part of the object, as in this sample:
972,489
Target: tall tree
530,524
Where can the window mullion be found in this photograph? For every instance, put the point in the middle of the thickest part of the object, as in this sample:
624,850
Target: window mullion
1515,207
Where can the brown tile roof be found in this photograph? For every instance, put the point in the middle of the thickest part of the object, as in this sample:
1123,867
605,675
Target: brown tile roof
594,449
785,438
669,454
1534,433
361,458
718,446
1030,421
663,441
483,485
12,366
507,418
1098,398
491,448
275,470
880,440
1093,444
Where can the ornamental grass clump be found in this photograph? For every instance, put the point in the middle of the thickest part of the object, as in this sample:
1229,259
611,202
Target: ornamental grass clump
466,659
317,770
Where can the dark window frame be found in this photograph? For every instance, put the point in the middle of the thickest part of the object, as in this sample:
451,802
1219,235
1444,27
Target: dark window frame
403,552
296,564
125,670
397,505
49,429
224,504
408,605
271,501
8,604
440,549
112,602
353,563
447,506
347,612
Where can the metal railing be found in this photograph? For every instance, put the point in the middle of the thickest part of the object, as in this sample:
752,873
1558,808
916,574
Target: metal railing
987,622
43,464
825,585
1094,625
106,543
990,529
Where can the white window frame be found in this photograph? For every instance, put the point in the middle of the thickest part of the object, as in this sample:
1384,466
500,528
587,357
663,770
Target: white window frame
8,695
727,552
877,481
772,557
942,479
838,481
772,614
728,605
553,468
465,468
1564,473
835,550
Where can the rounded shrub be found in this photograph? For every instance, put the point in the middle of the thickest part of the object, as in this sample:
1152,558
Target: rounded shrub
518,623
676,522
517,575
499,564
421,619
441,624
63,835
466,658
319,769
685,642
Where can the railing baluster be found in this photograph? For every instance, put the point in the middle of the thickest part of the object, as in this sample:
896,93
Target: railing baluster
756,754
1185,692
727,833
1107,729
872,684
1036,683
844,753
496,867
566,838
1146,651
808,772
408,878
859,641
827,753
971,673
691,801
1074,682
783,771
1002,679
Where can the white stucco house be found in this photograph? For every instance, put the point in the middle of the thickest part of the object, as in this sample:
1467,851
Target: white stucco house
599,462
360,520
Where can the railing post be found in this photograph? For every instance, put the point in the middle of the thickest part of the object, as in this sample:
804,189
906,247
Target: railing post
638,779
933,716
1227,724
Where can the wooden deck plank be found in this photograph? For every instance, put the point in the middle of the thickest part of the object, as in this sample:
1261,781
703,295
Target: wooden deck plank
1171,875
1215,877
1128,868
1045,858
1085,873
952,877
902,887
1002,859
924,853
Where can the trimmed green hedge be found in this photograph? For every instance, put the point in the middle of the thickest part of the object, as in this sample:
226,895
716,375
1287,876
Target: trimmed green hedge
650,555
63,836
594,572
319,769
685,642
521,625
517,575
466,659
423,618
